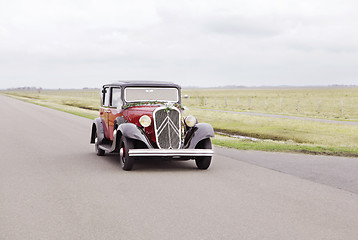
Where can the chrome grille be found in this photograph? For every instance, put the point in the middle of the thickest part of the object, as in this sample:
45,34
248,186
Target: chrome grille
167,128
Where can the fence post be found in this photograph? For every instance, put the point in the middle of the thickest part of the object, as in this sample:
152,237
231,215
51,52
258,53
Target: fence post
298,106
266,103
319,106
205,101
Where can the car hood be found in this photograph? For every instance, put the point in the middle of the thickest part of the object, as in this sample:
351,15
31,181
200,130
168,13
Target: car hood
143,109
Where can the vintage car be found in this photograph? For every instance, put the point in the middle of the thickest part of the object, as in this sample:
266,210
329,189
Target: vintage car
140,119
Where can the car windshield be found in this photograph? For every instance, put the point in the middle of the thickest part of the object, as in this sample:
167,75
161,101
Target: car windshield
140,94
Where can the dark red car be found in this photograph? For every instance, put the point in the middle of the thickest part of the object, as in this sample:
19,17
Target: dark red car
145,120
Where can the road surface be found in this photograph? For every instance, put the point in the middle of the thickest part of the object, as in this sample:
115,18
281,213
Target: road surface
53,186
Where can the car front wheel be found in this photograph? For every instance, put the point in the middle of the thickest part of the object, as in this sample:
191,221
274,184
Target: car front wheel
203,162
126,160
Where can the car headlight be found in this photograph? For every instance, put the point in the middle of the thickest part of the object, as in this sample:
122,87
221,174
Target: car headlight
190,121
145,121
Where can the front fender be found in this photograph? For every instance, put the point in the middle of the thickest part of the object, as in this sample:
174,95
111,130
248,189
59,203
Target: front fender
97,126
131,131
201,131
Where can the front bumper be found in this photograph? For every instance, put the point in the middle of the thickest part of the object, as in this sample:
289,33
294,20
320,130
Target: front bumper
173,153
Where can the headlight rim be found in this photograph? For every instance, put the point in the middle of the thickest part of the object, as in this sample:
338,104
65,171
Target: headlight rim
142,118
190,121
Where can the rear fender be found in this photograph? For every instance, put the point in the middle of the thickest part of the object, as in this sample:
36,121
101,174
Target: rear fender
201,131
97,126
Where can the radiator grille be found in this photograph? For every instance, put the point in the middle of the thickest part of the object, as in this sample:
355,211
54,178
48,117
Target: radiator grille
167,128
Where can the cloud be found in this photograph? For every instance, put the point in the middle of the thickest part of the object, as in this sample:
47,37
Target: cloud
75,42
3,32
243,26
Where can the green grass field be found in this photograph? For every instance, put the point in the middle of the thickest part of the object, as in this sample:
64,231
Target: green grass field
276,134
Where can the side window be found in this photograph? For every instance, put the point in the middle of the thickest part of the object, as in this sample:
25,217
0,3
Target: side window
106,97
102,96
116,97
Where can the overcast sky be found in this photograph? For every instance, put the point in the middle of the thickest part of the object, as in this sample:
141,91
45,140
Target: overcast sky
79,43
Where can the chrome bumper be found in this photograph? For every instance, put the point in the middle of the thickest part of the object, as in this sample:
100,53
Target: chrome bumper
175,153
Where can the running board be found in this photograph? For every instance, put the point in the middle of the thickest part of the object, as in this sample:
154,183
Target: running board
105,147
110,147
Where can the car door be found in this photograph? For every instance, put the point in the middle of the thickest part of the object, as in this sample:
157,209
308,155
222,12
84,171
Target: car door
115,108
104,110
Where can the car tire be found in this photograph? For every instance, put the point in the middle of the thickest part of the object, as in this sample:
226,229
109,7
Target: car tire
99,152
203,162
125,159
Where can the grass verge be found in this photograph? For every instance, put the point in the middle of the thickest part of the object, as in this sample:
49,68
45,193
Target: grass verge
299,131
283,146
82,112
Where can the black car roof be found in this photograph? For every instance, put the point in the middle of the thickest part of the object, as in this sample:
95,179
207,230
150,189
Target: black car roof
143,84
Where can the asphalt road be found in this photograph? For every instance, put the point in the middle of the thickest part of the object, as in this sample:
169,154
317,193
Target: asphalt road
53,186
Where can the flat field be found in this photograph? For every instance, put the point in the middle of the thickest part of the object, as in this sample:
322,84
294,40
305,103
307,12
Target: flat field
329,102
276,134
